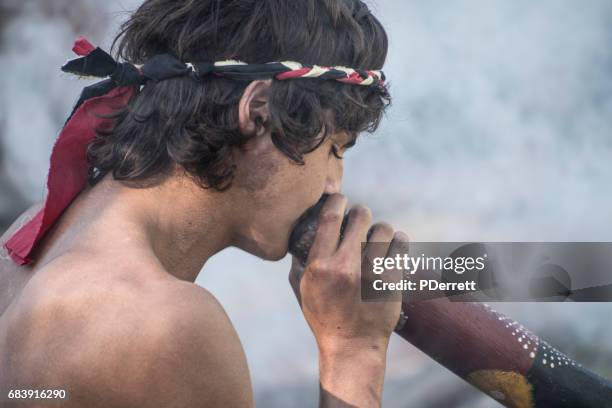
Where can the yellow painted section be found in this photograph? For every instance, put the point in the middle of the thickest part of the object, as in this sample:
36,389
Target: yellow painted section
509,388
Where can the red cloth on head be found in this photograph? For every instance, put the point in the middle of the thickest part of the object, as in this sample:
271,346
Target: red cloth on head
68,169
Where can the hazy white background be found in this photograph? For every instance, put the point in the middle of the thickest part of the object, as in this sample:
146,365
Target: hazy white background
500,130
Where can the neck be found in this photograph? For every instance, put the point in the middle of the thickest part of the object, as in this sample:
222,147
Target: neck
177,223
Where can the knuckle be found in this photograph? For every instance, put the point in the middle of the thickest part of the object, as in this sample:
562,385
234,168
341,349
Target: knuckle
318,267
322,268
339,268
330,217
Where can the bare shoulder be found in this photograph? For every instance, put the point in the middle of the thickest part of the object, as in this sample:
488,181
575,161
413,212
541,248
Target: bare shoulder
128,344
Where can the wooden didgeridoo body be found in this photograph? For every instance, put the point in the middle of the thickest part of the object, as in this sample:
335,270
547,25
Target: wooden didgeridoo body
490,351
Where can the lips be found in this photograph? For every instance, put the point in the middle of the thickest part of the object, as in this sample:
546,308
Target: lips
304,233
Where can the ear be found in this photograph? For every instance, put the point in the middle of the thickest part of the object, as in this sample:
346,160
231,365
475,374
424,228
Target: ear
253,110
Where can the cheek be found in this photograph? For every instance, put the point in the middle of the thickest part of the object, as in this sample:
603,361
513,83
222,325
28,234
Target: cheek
261,174
316,169
275,178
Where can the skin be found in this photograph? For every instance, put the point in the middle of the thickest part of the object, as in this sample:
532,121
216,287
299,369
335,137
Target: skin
109,311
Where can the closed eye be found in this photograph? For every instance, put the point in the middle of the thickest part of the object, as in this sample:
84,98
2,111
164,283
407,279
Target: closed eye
350,144
336,152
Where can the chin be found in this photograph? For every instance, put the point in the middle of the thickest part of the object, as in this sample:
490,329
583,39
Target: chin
274,253
275,256
267,252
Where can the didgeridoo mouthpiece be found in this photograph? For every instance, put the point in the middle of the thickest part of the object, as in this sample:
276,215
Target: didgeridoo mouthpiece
303,234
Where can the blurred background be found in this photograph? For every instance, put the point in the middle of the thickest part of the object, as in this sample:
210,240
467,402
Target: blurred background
500,130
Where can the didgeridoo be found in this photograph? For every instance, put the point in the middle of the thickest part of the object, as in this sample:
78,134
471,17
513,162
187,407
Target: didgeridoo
490,351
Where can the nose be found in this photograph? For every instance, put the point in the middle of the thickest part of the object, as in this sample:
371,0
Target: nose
334,177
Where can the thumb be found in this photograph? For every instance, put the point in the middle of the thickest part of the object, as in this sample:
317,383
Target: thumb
295,277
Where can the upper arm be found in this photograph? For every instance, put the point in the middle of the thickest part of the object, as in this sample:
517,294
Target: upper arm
210,363
184,353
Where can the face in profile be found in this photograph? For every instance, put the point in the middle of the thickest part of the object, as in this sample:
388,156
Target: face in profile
277,191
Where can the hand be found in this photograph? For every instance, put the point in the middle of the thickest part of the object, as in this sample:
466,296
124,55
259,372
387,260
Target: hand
328,287
352,335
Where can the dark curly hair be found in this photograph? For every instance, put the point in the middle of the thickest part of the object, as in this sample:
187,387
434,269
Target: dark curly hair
195,124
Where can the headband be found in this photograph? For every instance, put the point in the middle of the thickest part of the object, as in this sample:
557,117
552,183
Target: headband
98,63
69,169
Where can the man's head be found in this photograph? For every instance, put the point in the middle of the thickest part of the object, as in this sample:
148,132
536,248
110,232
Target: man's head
272,146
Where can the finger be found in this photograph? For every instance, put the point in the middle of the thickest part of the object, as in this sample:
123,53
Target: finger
360,219
328,229
380,236
375,250
399,246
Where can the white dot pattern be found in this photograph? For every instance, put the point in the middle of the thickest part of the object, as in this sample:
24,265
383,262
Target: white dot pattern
531,343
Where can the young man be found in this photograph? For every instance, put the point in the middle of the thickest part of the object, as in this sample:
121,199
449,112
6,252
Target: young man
104,306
